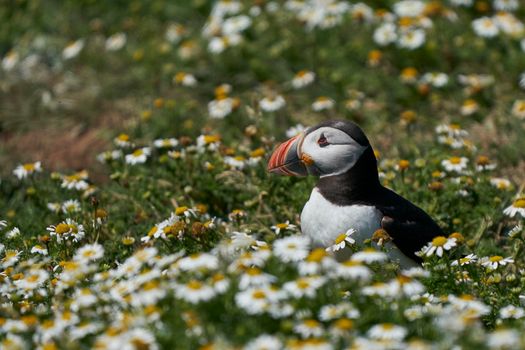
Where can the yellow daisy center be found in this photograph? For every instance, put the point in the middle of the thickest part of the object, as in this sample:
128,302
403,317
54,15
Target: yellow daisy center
303,284
519,203
455,160
253,271
316,255
138,153
439,241
311,323
344,323
340,238
496,258
259,294
29,167
62,228
211,138
180,210
194,285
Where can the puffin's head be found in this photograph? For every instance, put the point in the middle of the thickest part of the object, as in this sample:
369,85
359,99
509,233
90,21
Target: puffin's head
329,148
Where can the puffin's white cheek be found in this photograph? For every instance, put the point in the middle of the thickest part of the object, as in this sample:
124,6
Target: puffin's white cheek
338,159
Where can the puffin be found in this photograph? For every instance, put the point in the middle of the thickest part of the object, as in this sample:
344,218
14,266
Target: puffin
349,194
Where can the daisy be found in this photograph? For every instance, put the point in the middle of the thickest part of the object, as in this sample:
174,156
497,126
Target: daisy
315,262
513,233
385,34
257,300
174,32
506,5
493,262
198,262
341,327
342,241
504,339
67,229
220,108
295,130
3,224
70,206
220,283
369,255
469,107
518,108
466,260
122,140
352,269
406,285
500,183
184,79
116,42
237,162
304,286
23,171
517,207
411,39
323,103
73,49
38,249
89,252
309,328
435,79
138,156
303,78
77,181
32,279
483,163
277,228
456,164
387,331
409,75
290,249
308,344
438,246
10,60
264,342
511,311
241,240
10,258
254,277
194,291
236,24
166,143
409,8
272,104
14,232
485,27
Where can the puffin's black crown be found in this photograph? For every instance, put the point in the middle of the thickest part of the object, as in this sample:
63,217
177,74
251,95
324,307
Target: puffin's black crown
350,128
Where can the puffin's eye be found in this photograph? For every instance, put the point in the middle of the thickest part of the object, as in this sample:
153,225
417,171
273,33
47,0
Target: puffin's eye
322,141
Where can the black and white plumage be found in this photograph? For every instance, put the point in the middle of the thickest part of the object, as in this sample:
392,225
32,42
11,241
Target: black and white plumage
349,194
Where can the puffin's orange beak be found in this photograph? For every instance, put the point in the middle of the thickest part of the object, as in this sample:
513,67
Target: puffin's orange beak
286,159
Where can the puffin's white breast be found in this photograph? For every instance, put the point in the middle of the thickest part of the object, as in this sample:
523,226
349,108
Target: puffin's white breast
323,221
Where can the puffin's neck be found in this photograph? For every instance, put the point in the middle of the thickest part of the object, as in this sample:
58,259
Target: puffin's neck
355,185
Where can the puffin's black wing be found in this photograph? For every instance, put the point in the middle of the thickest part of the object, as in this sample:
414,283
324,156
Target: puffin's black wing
410,227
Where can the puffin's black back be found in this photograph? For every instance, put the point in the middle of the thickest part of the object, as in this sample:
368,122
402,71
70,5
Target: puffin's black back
409,226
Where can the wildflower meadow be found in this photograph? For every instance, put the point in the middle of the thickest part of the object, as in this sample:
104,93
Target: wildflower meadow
168,232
